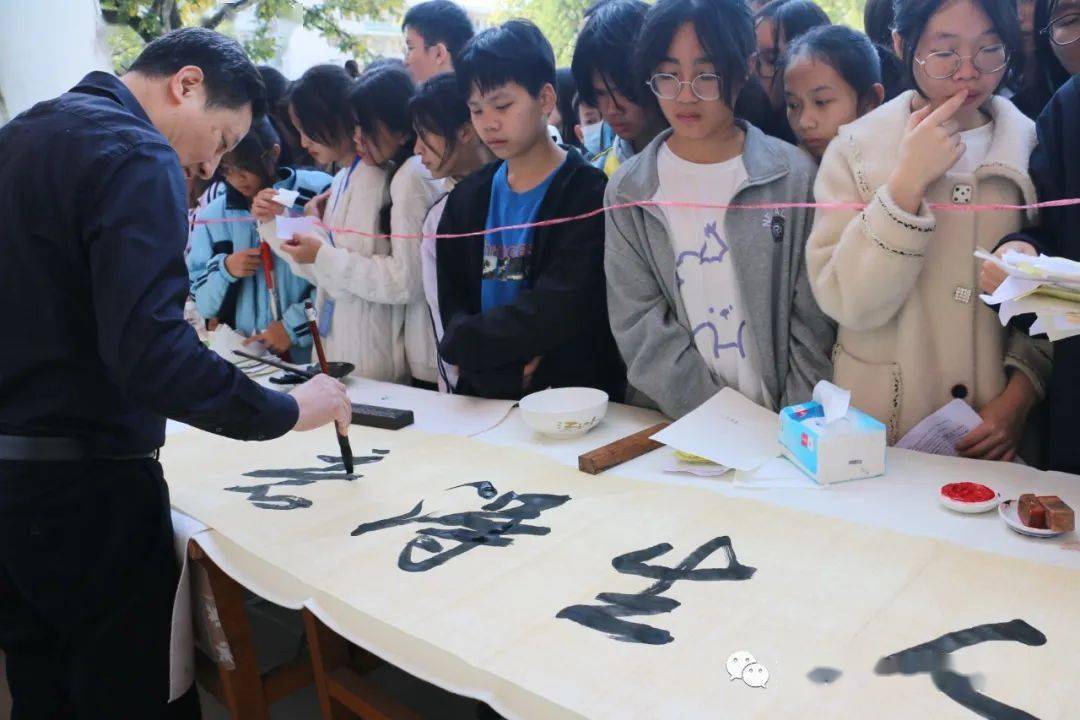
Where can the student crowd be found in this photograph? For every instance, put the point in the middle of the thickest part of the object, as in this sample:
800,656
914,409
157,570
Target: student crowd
696,124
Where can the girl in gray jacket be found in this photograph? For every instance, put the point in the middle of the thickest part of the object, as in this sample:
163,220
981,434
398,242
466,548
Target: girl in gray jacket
702,298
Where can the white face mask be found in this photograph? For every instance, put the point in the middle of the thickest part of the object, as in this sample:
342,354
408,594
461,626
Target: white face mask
591,136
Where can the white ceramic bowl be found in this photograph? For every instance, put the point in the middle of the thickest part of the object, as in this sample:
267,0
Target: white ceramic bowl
564,412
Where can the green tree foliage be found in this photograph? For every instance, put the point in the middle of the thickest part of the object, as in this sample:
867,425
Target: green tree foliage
133,23
844,12
560,20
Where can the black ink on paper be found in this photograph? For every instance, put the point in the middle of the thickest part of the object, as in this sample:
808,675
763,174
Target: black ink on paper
933,659
260,495
609,618
449,536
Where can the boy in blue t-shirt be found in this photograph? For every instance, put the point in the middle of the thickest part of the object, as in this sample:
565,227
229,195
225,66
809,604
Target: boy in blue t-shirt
524,308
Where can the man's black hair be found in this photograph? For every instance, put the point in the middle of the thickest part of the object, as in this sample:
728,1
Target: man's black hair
606,45
440,21
910,18
515,51
723,27
230,77
320,101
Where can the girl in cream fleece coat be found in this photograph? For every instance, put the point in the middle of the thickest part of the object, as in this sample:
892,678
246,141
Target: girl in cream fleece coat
913,333
899,278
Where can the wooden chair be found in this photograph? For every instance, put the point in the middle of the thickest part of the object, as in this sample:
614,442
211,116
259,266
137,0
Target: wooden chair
227,667
340,670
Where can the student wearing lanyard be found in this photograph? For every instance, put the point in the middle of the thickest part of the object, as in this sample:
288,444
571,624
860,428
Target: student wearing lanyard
370,335
88,572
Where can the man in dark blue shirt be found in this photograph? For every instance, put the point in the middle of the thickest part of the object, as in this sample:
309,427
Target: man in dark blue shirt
92,232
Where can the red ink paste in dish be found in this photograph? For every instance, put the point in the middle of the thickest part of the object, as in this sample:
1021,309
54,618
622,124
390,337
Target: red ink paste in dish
967,492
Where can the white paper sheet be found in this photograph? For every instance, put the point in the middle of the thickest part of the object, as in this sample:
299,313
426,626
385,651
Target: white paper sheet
776,473
1039,304
432,411
728,429
286,197
224,341
1011,288
286,227
697,469
939,432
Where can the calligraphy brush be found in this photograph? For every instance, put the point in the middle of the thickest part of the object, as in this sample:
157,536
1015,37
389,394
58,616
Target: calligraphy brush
343,438
267,259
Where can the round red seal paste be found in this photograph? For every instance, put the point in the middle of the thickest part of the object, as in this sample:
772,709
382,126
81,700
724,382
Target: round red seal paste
967,492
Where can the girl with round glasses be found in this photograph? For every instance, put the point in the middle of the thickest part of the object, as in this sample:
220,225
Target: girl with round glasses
899,277
703,298
1057,41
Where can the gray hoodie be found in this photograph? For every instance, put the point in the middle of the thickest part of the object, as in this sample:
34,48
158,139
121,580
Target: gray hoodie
793,339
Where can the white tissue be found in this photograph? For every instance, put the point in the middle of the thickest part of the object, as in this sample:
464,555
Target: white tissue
834,400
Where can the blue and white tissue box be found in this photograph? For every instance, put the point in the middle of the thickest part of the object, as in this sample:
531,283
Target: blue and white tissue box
849,446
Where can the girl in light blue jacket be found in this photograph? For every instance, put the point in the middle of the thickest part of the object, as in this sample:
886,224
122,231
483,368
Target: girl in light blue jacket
224,265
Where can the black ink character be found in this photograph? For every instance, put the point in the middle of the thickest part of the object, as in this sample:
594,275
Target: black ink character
260,497
608,618
491,526
484,489
933,658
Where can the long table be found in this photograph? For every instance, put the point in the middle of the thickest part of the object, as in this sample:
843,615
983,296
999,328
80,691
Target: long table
846,578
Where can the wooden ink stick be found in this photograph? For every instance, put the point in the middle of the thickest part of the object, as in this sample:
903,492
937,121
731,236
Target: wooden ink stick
343,438
596,461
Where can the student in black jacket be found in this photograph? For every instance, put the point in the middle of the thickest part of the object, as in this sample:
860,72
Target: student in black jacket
525,309
1055,169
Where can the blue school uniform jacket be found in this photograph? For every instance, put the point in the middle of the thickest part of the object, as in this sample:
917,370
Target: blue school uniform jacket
243,303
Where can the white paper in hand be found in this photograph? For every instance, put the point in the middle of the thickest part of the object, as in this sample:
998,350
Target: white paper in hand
728,429
289,226
939,432
286,197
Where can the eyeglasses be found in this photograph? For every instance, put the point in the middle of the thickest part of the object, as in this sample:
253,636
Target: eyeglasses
943,65
666,86
1063,31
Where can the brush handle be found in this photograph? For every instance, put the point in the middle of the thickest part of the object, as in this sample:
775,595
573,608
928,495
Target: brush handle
343,438
309,312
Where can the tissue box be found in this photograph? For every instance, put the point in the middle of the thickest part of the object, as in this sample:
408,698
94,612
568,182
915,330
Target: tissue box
849,448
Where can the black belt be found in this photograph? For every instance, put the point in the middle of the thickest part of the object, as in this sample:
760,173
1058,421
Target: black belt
59,449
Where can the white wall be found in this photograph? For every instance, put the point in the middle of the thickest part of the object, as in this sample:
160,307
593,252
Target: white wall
46,46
